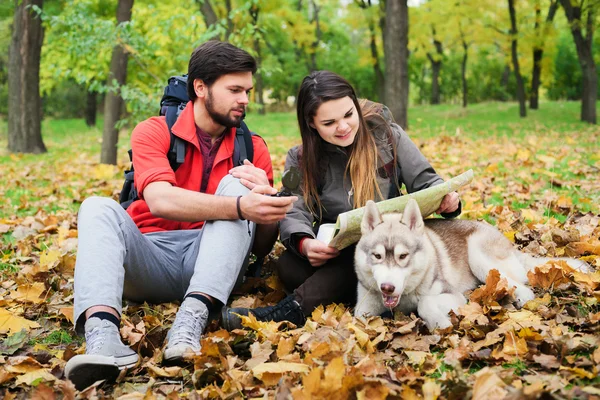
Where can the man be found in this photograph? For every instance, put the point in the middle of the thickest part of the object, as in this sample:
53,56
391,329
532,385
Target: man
189,234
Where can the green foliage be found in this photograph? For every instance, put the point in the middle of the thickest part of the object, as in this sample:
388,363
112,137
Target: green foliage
567,80
80,36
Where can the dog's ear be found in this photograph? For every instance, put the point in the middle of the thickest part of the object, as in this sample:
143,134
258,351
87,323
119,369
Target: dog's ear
412,216
371,218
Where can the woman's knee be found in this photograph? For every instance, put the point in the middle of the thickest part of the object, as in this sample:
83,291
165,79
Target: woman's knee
293,271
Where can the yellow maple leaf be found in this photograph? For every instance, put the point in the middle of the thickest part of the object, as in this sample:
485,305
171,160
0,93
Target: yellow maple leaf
10,323
334,373
29,293
104,172
50,259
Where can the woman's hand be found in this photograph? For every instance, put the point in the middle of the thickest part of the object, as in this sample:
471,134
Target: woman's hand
449,203
317,252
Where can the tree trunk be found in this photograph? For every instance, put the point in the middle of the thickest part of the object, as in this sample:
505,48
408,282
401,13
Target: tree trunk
315,44
538,53
379,79
91,108
436,67
113,102
515,59
254,11
396,60
463,73
24,102
505,77
209,15
583,44
229,30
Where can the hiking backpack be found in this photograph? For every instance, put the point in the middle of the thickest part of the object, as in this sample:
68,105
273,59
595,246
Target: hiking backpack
172,104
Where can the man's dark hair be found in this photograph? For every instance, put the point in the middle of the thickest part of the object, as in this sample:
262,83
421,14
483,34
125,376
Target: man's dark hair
213,59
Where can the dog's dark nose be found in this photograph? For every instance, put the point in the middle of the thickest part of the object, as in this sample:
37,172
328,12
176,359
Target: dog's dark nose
387,288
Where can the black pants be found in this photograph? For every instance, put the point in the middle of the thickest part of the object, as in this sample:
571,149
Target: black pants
333,282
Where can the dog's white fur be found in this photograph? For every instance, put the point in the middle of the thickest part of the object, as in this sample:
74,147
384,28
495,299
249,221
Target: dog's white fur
405,263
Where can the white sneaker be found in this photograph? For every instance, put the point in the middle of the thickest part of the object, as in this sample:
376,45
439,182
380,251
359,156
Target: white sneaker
183,340
105,355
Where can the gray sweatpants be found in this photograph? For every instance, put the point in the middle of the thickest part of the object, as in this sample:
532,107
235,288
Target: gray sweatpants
115,260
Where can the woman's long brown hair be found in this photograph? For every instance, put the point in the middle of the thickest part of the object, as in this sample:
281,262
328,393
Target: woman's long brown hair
316,89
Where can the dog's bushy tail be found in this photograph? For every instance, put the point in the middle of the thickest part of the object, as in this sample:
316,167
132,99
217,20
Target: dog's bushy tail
530,262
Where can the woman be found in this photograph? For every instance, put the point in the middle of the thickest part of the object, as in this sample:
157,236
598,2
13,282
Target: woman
351,152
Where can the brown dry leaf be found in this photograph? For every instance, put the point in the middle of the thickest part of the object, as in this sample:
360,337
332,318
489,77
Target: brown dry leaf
38,375
495,288
43,392
22,364
67,312
166,372
5,376
552,275
279,368
29,293
133,334
416,357
261,352
373,393
576,249
473,314
547,361
591,281
488,386
10,323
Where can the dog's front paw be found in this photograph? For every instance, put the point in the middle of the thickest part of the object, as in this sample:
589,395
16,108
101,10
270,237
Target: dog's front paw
441,323
523,294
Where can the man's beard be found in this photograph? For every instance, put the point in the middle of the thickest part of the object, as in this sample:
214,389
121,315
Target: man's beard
221,119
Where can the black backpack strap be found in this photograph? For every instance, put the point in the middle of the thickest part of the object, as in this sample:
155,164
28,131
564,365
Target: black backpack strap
243,147
176,154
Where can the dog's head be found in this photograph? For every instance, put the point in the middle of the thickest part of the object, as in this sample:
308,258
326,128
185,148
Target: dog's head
387,249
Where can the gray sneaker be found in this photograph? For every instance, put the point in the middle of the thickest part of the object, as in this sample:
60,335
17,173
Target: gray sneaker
183,340
105,355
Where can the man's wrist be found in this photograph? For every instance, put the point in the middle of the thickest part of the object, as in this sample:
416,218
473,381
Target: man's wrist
238,207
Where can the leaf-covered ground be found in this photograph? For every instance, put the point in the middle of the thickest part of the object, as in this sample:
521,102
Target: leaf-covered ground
538,185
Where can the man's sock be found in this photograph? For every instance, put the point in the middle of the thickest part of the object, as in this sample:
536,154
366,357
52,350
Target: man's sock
107,316
209,305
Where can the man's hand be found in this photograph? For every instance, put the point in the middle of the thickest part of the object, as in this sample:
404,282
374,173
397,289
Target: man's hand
257,207
249,175
449,203
317,252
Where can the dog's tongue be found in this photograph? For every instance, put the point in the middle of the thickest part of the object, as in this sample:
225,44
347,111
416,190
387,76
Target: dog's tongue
390,301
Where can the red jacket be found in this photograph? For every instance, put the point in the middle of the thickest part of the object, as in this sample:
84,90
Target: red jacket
150,144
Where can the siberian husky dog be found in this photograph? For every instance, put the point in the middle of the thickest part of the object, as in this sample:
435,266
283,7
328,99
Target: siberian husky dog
405,263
